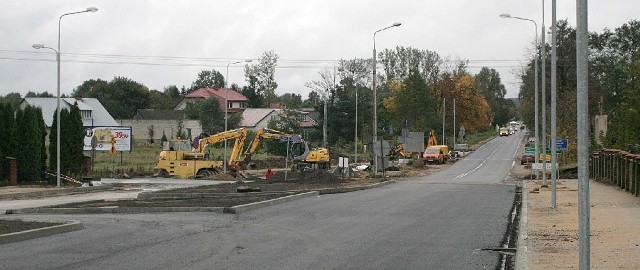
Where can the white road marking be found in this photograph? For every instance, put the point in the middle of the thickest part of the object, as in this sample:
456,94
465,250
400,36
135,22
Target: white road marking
483,161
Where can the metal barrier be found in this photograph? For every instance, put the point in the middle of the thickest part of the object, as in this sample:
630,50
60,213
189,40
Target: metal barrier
618,168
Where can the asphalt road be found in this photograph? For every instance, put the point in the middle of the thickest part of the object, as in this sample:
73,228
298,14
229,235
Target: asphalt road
443,221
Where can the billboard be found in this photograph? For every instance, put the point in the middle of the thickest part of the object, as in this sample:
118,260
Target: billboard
107,138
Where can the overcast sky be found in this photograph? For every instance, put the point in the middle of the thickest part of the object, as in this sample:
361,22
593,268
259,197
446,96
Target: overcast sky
161,43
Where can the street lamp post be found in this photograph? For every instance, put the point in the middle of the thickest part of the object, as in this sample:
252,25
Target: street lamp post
543,58
508,16
355,141
41,46
226,106
375,100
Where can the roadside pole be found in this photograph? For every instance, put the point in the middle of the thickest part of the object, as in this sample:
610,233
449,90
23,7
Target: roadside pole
286,161
582,101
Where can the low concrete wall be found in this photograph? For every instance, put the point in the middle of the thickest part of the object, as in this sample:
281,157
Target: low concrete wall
140,128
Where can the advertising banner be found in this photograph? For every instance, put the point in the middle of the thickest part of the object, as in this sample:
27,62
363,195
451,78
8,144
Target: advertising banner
107,138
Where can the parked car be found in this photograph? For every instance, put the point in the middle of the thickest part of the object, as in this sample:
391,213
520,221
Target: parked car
527,159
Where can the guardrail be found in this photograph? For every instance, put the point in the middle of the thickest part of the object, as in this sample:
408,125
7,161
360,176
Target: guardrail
616,167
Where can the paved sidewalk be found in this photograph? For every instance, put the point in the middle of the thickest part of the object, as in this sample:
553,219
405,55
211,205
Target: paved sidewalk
552,234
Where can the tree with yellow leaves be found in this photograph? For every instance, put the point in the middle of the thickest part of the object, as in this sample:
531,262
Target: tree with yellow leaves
472,109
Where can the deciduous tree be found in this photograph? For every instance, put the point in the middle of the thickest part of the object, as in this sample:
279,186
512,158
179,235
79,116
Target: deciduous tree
262,76
208,79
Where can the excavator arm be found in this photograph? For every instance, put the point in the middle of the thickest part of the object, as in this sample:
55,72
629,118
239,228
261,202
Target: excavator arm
263,133
433,140
239,134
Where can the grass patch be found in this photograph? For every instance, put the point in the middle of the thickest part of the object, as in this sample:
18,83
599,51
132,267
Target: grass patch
142,158
475,138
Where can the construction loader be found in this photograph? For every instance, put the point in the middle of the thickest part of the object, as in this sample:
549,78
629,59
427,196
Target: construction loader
181,158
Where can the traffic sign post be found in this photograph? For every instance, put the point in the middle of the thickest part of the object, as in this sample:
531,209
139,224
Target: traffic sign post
562,145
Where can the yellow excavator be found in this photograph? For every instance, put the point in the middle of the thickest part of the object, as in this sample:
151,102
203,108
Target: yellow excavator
304,158
399,151
309,159
181,158
263,133
433,140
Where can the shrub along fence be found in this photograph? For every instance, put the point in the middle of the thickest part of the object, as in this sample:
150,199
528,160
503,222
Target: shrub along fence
617,167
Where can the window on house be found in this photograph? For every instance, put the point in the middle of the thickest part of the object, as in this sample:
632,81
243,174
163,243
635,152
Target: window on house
86,114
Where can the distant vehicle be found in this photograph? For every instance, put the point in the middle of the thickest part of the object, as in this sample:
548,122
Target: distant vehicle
513,125
436,154
504,131
527,159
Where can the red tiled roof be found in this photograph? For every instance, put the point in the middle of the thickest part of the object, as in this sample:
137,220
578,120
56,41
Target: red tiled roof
220,93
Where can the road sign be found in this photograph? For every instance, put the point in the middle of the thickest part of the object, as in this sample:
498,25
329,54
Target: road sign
562,144
529,150
543,157
290,139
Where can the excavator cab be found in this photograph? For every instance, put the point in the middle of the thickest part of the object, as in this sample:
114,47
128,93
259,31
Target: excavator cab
299,151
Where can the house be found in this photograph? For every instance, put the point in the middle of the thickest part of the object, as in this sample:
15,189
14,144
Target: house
256,118
236,102
91,110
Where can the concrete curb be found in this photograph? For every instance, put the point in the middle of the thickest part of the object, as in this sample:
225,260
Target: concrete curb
522,260
232,210
41,232
247,207
163,195
53,192
112,210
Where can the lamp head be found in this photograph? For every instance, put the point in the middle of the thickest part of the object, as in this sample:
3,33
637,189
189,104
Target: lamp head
92,9
505,15
37,46
396,24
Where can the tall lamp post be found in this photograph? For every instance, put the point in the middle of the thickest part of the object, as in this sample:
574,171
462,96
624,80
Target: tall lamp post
375,98
41,46
508,16
226,106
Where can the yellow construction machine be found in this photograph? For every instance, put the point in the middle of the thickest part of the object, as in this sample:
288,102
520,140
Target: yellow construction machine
304,158
399,151
309,159
433,140
182,159
245,158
